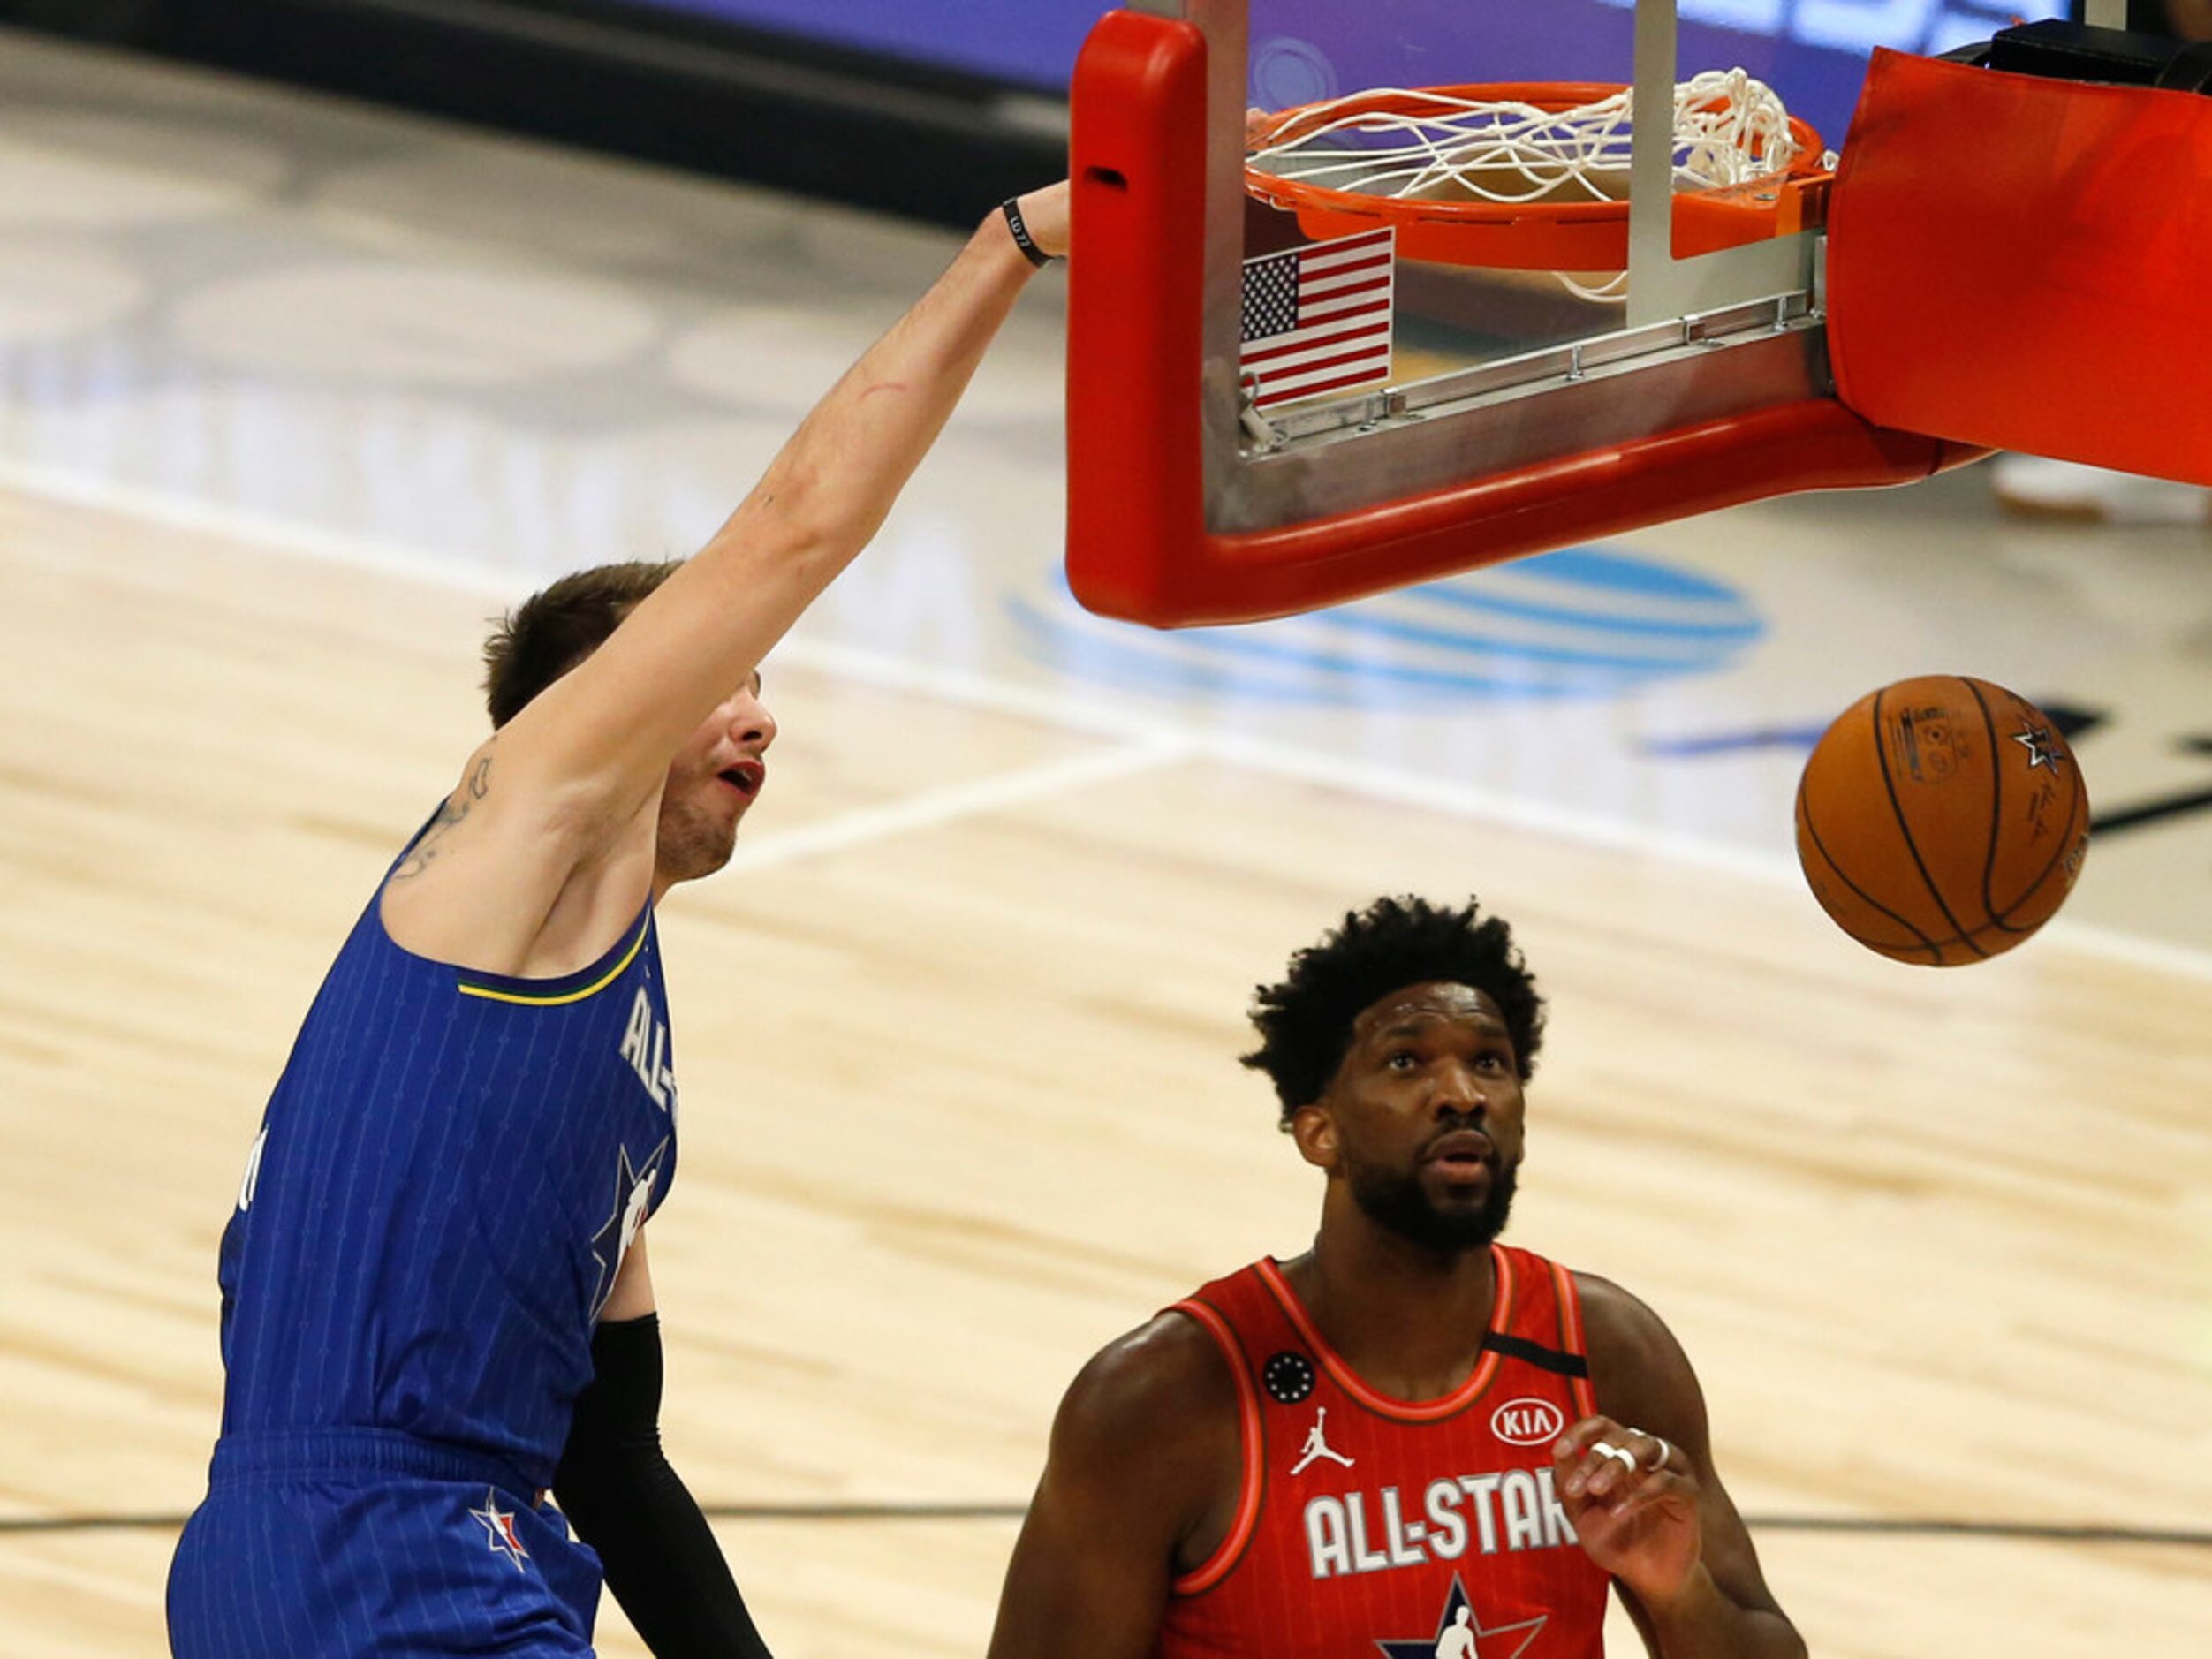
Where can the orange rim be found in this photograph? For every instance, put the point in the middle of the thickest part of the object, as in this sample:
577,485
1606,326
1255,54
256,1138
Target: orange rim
1570,236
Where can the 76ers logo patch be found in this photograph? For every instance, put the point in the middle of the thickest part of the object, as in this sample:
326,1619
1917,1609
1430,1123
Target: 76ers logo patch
1289,1376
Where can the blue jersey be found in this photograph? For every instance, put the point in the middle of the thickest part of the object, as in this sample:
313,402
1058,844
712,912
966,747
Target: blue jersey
444,1184
446,1179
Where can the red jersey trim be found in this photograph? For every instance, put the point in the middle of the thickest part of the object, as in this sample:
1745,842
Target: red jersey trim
1384,1404
1252,1481
1584,1389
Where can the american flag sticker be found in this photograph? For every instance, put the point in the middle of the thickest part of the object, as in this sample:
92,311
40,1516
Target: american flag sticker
1317,319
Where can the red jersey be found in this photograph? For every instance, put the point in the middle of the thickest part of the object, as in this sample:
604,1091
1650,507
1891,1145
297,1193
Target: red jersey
1419,1530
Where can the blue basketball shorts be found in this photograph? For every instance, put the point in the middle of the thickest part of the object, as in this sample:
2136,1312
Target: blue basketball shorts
336,1543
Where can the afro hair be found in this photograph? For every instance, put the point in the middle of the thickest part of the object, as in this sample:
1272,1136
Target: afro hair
1305,1023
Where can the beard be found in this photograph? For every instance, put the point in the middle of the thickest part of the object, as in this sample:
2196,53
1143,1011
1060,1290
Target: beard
1395,1199
691,843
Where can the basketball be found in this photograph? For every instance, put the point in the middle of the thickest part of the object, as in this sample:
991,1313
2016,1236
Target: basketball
1942,820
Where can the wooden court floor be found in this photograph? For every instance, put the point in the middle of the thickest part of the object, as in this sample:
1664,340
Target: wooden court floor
957,1039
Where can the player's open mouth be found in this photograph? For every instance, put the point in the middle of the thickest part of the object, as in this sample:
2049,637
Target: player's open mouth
1462,1151
745,777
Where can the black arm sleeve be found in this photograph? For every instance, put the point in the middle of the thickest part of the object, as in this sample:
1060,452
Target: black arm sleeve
618,1491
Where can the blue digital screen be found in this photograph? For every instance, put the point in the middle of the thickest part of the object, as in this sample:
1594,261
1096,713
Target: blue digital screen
1813,51
1031,41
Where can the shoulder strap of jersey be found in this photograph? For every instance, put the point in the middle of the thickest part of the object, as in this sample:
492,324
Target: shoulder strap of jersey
1544,1328
1226,1310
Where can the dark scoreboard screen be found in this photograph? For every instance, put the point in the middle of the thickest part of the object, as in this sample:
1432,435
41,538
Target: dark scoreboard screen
1813,51
935,109
1031,42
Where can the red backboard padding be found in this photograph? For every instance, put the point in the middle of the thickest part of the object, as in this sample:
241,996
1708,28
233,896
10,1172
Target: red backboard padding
1139,547
1135,341
2021,263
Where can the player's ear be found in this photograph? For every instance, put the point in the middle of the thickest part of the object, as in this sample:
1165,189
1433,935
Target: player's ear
1315,1129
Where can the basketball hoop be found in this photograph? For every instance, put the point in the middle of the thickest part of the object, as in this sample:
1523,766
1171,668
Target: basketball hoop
1534,176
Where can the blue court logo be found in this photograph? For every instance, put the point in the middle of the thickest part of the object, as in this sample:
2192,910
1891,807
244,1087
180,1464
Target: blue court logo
1586,623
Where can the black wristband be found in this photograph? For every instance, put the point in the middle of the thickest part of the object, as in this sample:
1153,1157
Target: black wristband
1030,251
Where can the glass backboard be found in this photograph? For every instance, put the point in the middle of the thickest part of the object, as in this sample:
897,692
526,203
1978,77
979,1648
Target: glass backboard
1359,381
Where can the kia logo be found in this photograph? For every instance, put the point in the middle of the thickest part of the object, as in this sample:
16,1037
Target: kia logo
1527,1422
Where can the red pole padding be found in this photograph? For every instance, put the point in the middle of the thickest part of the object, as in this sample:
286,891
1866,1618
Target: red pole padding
1136,303
2020,263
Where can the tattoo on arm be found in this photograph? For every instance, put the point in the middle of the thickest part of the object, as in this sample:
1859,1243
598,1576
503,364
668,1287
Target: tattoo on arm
474,789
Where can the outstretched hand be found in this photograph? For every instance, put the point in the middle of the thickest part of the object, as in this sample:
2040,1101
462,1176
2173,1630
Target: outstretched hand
1632,1499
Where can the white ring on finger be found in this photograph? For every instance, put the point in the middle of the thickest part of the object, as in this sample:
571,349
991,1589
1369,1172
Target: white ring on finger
1665,1450
1605,1450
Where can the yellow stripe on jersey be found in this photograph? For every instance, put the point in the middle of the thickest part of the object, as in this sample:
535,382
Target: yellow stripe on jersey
554,999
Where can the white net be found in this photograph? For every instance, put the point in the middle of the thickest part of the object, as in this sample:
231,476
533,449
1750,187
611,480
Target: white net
1727,128
1441,147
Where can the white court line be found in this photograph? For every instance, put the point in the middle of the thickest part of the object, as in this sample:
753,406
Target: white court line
936,807
267,530
1154,735
1420,790
1074,711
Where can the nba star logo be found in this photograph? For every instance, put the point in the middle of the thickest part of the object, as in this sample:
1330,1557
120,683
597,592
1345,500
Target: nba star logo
2040,750
1458,1632
499,1528
632,1197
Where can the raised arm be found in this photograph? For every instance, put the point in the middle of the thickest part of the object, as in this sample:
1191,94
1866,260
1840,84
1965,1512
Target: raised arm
565,787
608,729
1139,1484
1666,1529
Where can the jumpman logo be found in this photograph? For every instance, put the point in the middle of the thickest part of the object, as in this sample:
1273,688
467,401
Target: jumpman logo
1317,1445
